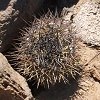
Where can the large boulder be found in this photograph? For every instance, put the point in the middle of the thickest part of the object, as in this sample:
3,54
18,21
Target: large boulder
12,16
12,85
87,22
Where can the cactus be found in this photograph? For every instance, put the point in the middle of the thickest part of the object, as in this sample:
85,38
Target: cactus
47,51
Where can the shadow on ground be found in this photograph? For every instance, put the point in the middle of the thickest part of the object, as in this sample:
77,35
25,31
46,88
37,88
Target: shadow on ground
60,91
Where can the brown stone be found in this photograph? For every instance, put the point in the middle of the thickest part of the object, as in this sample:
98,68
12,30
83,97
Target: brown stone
12,85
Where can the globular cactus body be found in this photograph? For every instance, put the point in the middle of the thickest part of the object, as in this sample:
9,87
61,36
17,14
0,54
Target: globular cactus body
46,52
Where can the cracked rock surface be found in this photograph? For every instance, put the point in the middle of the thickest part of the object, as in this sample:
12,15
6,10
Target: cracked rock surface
12,85
87,23
89,83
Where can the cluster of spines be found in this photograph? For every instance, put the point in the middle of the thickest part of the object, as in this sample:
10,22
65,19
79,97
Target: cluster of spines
47,52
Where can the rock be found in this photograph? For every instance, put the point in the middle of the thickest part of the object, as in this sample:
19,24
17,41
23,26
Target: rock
87,23
89,82
12,85
12,16
89,90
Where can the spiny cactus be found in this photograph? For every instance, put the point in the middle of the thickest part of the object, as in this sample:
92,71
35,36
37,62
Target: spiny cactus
47,51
